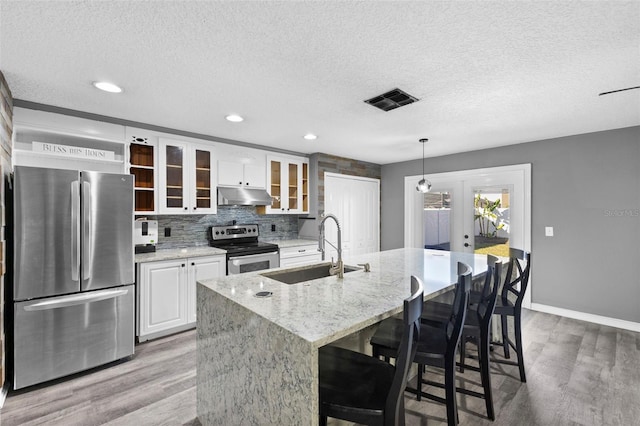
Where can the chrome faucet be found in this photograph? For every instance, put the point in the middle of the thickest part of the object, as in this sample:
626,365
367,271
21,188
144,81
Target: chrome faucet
338,268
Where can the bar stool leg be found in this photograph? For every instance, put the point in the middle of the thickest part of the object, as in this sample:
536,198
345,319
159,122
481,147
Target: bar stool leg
518,329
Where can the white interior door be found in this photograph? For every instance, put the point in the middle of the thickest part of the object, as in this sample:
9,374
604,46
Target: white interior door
355,201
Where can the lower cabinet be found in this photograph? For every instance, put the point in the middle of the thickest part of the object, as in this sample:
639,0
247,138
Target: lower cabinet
299,255
167,293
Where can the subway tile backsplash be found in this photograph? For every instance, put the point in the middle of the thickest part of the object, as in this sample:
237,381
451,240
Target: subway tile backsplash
192,230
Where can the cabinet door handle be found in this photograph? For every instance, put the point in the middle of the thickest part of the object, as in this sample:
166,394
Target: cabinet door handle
302,250
239,183
185,208
195,208
193,263
183,265
246,183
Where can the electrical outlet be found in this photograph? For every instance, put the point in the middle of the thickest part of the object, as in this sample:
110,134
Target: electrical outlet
548,231
167,232
273,227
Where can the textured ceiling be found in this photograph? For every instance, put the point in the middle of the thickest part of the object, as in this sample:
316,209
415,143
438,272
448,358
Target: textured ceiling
486,73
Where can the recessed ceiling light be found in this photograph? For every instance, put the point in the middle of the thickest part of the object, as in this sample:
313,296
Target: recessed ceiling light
234,118
107,87
310,136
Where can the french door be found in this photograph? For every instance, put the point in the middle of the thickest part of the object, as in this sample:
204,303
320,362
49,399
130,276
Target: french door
473,211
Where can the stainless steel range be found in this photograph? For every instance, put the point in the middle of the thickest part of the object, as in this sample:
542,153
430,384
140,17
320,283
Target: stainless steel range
244,252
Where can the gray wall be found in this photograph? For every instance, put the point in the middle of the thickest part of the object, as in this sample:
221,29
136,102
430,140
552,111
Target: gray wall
588,188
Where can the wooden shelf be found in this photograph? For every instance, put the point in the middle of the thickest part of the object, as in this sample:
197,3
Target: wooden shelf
135,166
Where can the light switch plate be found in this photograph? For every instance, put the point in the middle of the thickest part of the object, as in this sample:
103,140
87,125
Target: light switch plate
548,231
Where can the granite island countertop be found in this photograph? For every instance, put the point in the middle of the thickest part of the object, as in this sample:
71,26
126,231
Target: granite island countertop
268,347
327,309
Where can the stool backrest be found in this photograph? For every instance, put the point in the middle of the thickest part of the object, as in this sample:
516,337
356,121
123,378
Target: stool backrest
517,273
459,309
489,295
406,351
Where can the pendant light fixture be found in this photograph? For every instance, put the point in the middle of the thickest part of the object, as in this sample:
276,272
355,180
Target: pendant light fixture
424,185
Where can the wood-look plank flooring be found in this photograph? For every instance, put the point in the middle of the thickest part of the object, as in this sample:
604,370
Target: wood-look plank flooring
578,373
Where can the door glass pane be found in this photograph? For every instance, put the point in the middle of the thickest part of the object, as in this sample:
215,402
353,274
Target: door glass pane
175,185
203,179
275,184
491,220
305,187
436,219
293,186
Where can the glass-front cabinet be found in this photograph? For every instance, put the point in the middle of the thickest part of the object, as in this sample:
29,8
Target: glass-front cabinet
186,178
287,185
142,162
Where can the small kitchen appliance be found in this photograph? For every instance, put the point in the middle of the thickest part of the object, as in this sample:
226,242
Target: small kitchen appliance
244,252
145,235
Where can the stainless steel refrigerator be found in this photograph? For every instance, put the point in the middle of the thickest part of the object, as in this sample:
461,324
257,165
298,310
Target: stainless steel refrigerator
73,289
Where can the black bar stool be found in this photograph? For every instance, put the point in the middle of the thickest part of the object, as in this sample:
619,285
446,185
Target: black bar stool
436,347
363,389
517,276
476,329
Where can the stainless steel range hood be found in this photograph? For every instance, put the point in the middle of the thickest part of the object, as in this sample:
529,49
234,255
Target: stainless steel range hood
230,196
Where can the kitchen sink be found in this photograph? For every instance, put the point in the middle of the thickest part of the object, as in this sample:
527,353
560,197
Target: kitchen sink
305,273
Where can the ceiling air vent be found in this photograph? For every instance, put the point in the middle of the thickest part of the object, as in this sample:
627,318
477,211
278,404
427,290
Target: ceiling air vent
391,100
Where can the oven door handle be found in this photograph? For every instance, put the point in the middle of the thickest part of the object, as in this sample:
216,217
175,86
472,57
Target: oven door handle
236,259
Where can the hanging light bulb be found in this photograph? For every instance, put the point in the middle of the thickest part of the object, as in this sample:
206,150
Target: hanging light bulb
424,185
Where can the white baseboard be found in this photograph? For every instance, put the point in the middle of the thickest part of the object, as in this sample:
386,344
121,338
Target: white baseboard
598,319
3,394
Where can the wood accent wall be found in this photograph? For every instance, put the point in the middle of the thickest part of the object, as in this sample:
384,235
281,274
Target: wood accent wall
6,130
332,163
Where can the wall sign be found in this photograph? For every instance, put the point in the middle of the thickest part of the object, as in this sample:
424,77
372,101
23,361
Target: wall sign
73,151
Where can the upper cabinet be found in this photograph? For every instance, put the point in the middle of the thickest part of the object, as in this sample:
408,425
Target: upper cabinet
186,183
233,173
287,183
142,165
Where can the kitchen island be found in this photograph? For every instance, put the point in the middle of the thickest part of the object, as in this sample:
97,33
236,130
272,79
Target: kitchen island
257,357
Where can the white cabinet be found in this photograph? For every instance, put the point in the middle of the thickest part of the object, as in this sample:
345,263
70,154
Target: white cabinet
233,173
162,297
202,268
287,183
167,293
186,178
299,255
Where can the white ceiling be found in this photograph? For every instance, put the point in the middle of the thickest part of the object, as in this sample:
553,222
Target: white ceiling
487,74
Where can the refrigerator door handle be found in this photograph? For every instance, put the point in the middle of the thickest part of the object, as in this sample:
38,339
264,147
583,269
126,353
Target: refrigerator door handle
76,299
75,230
87,261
